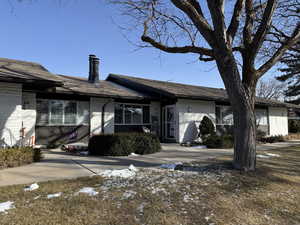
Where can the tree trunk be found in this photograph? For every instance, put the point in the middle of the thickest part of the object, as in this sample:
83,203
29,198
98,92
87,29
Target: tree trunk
242,99
244,137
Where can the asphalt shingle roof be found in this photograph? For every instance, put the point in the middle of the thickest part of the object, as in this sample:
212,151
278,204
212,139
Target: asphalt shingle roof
78,85
191,91
22,71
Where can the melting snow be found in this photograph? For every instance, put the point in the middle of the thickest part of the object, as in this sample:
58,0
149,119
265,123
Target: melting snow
88,190
31,187
267,155
133,154
129,194
170,166
199,146
124,173
272,155
4,206
56,195
263,156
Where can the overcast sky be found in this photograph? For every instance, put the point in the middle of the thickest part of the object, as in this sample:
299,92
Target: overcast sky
61,36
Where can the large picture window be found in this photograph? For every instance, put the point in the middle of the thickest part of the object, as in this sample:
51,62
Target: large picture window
62,113
224,116
132,114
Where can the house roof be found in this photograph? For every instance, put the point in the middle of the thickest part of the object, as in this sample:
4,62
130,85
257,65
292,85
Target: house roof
81,86
18,71
25,72
178,90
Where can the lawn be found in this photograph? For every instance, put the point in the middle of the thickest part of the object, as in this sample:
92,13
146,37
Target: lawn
211,195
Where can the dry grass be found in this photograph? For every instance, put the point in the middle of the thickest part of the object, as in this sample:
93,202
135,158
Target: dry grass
271,195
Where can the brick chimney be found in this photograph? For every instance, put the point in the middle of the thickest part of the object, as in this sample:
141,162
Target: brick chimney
93,69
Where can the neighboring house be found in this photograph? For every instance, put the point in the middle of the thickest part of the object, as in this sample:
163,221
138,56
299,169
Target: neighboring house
45,108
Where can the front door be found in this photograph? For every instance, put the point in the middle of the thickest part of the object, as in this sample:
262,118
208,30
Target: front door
170,123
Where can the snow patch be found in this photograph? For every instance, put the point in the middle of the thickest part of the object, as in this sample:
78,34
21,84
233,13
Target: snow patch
263,156
56,195
199,146
272,155
31,187
88,190
170,166
267,155
134,154
129,194
124,173
4,206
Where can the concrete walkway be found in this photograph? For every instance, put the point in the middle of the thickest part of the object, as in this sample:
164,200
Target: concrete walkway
61,165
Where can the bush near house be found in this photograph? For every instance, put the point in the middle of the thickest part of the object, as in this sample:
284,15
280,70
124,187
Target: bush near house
13,157
123,144
215,141
294,126
206,127
273,139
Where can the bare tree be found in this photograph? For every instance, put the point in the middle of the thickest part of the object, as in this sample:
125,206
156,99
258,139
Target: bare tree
216,30
271,89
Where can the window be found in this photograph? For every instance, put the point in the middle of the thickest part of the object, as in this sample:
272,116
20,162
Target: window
70,113
59,112
132,114
224,115
261,117
56,112
42,108
83,113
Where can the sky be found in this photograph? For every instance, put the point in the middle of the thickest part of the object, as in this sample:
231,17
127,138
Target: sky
60,34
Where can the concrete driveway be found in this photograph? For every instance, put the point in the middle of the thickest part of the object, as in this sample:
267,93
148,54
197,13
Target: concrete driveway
61,165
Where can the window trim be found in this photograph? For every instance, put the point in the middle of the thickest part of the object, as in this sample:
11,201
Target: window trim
49,124
255,111
123,114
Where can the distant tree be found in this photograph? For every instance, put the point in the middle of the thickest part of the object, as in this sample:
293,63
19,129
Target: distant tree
271,89
291,72
224,32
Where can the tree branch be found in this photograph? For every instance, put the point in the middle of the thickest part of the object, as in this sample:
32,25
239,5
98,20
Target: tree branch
278,54
247,31
264,27
235,20
216,8
198,20
183,49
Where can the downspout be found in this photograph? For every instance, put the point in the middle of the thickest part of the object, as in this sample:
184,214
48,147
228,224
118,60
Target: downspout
103,114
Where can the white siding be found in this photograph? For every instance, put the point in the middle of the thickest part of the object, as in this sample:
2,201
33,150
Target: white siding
29,116
96,105
190,114
155,117
10,113
278,121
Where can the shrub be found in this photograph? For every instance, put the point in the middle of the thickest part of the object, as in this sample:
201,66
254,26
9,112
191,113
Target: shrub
215,141
13,157
260,134
273,139
206,127
294,126
123,144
